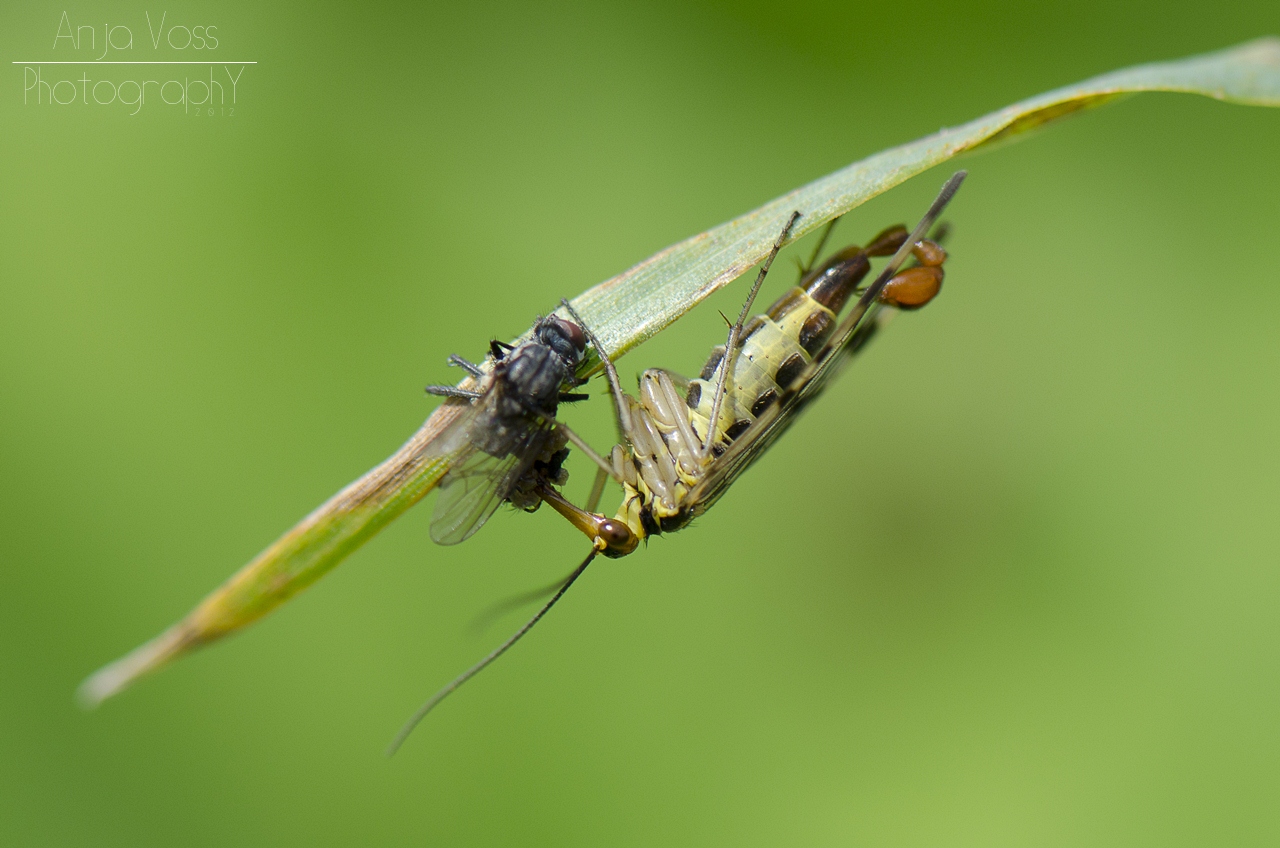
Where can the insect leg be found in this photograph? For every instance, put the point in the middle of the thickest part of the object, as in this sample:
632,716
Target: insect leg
730,348
621,407
822,242
499,349
470,367
573,397
454,392
480,666
580,443
668,408
597,490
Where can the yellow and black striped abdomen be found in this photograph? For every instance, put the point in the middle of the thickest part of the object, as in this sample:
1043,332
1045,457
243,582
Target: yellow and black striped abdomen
778,345
773,352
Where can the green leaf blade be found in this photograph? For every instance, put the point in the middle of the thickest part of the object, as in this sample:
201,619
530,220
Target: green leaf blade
639,303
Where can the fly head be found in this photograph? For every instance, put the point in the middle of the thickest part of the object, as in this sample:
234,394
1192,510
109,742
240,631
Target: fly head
565,339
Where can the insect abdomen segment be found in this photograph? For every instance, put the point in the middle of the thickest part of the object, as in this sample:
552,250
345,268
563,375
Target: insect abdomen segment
677,462
778,345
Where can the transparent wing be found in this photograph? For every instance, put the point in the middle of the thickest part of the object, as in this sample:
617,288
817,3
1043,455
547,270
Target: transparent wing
852,334
775,420
477,483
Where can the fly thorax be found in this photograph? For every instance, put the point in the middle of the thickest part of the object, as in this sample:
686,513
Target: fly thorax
534,374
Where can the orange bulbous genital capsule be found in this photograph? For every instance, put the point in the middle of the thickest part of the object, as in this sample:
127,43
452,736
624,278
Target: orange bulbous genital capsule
928,252
912,288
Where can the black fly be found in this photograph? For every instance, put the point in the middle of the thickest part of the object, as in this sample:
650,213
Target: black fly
506,445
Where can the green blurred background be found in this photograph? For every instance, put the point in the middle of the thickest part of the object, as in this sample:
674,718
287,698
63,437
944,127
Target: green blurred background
1014,581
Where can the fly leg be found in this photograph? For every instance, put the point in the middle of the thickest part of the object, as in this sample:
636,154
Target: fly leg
608,536
470,367
454,392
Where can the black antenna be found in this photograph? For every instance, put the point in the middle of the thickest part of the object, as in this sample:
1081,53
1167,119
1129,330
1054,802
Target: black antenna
480,666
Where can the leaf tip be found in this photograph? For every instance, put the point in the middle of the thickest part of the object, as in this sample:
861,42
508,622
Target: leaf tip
116,676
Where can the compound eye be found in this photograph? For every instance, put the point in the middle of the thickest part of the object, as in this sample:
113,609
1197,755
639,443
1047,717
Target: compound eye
616,536
570,331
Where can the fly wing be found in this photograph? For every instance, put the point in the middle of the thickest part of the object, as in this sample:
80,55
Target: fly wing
477,483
